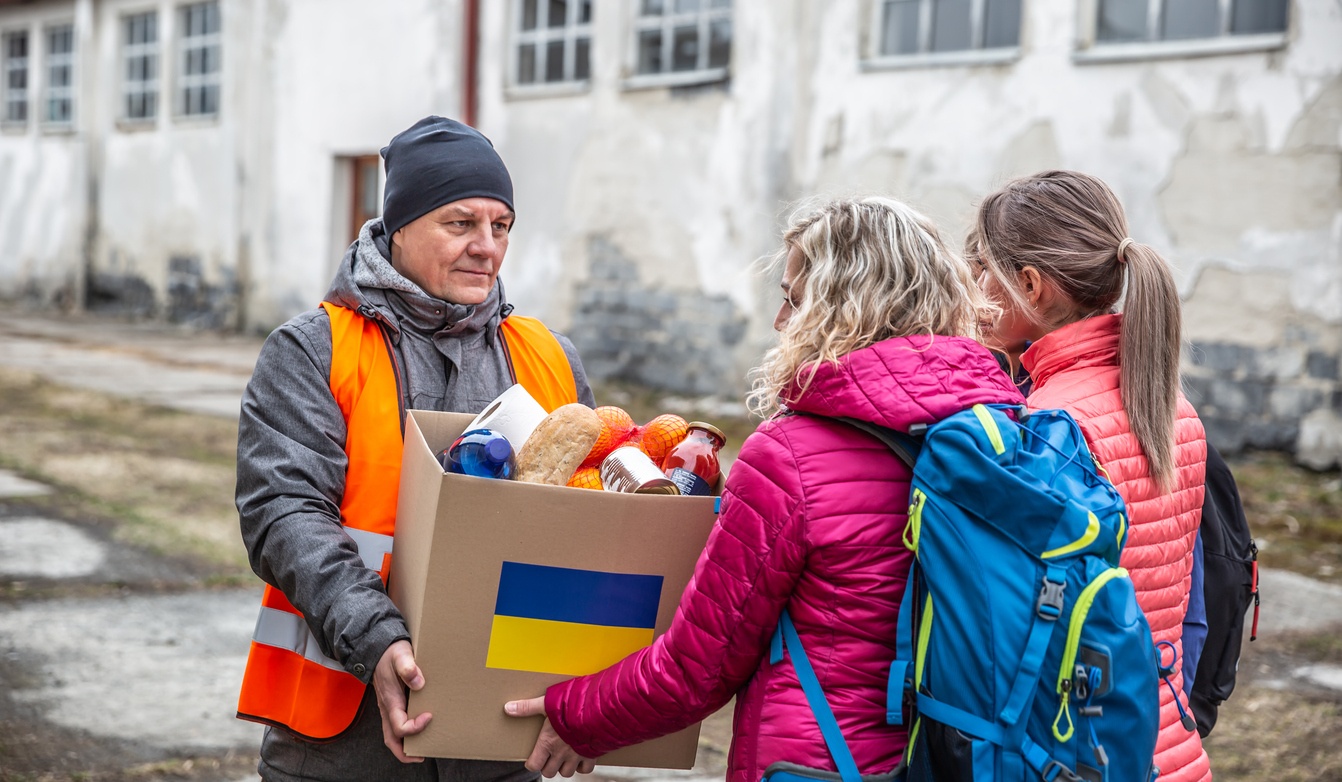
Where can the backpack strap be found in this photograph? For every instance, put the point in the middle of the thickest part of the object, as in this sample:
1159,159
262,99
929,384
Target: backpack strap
786,635
906,446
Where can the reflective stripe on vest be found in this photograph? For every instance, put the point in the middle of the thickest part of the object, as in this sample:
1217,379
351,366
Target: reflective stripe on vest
289,681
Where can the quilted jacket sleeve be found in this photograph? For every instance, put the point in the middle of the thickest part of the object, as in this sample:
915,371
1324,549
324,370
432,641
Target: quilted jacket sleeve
742,581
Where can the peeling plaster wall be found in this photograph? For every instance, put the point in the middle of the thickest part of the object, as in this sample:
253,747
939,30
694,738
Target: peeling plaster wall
649,206
1226,163
42,197
1230,165
345,79
634,204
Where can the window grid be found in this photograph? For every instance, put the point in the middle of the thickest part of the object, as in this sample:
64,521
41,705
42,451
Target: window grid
665,32
199,60
1116,20
548,27
60,92
15,50
139,57
922,27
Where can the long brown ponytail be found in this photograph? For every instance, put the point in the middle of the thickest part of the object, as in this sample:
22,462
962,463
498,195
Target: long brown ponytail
1070,226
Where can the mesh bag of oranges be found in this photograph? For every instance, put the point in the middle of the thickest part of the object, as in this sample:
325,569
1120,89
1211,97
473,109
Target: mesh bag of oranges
618,429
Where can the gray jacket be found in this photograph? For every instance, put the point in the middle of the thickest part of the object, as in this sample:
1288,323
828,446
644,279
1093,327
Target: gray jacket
291,458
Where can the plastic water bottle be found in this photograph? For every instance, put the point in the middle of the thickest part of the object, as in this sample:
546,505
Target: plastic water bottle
483,453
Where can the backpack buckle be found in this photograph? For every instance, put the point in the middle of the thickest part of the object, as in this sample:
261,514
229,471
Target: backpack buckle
1053,770
1049,604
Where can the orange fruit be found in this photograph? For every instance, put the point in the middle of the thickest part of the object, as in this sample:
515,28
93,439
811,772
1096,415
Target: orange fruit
586,478
617,429
661,434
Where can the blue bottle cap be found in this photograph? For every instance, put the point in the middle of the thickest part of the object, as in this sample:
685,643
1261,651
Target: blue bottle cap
498,450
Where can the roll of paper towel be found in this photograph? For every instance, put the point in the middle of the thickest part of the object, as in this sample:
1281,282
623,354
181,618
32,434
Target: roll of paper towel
513,414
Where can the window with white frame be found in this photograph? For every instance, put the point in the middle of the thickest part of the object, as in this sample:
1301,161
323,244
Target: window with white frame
60,83
1136,21
553,41
683,37
139,58
199,65
910,27
14,49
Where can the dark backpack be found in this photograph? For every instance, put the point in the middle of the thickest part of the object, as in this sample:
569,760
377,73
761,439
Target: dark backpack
1230,583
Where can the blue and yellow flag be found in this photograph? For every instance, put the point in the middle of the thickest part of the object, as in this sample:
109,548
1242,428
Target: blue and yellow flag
572,622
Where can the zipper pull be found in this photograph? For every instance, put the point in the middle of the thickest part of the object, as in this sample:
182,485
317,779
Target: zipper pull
1253,631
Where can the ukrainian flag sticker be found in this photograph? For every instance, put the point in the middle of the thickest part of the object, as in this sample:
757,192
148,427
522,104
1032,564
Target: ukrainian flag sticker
570,622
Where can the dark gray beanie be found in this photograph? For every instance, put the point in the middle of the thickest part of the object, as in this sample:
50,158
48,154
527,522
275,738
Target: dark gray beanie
437,161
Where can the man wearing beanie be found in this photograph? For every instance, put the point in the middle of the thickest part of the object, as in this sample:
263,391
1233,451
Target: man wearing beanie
415,318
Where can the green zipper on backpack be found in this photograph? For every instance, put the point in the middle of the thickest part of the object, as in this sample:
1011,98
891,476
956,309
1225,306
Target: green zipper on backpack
914,527
1079,613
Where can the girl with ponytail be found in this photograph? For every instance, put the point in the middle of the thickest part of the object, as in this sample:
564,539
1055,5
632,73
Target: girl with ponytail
1053,252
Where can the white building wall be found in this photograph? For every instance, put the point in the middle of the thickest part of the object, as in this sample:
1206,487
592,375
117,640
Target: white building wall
347,76
43,200
642,210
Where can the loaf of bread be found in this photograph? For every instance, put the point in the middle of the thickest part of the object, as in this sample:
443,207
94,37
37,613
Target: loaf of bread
558,445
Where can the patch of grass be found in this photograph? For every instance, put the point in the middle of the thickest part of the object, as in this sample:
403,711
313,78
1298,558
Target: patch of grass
1295,514
161,478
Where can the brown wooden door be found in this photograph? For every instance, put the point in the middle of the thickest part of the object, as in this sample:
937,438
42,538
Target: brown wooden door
365,194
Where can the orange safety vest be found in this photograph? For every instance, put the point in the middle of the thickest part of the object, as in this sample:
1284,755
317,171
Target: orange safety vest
289,682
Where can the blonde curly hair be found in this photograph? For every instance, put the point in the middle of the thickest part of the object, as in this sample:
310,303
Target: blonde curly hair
870,269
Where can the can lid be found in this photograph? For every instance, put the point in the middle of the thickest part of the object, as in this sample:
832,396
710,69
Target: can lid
711,429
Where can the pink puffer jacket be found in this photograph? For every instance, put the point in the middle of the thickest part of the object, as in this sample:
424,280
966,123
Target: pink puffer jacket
811,520
1076,368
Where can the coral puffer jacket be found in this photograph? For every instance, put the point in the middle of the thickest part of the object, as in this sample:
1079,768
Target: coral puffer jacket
1076,368
811,520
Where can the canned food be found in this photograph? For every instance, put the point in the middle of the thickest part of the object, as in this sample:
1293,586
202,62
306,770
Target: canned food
629,469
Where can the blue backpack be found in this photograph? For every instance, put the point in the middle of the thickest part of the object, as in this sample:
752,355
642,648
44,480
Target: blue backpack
1022,652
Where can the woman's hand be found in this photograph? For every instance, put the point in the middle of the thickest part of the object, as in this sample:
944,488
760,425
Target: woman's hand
551,755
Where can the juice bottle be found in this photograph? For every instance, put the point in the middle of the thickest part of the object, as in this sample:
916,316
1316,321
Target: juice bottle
693,464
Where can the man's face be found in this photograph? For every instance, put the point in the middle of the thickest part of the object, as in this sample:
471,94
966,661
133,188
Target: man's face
455,251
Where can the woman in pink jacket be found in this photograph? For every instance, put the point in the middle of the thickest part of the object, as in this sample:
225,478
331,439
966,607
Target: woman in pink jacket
1055,255
877,323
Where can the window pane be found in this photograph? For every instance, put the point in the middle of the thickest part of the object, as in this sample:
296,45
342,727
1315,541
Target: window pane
720,3
526,64
554,61
558,13
686,6
685,48
1001,25
212,99
1190,19
652,8
950,25
1258,16
719,43
582,68
899,27
529,14
650,51
1121,20
584,11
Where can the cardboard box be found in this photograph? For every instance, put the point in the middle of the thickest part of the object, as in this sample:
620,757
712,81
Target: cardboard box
482,566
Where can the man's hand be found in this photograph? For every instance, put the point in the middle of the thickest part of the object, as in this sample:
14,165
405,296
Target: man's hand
551,755
396,671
